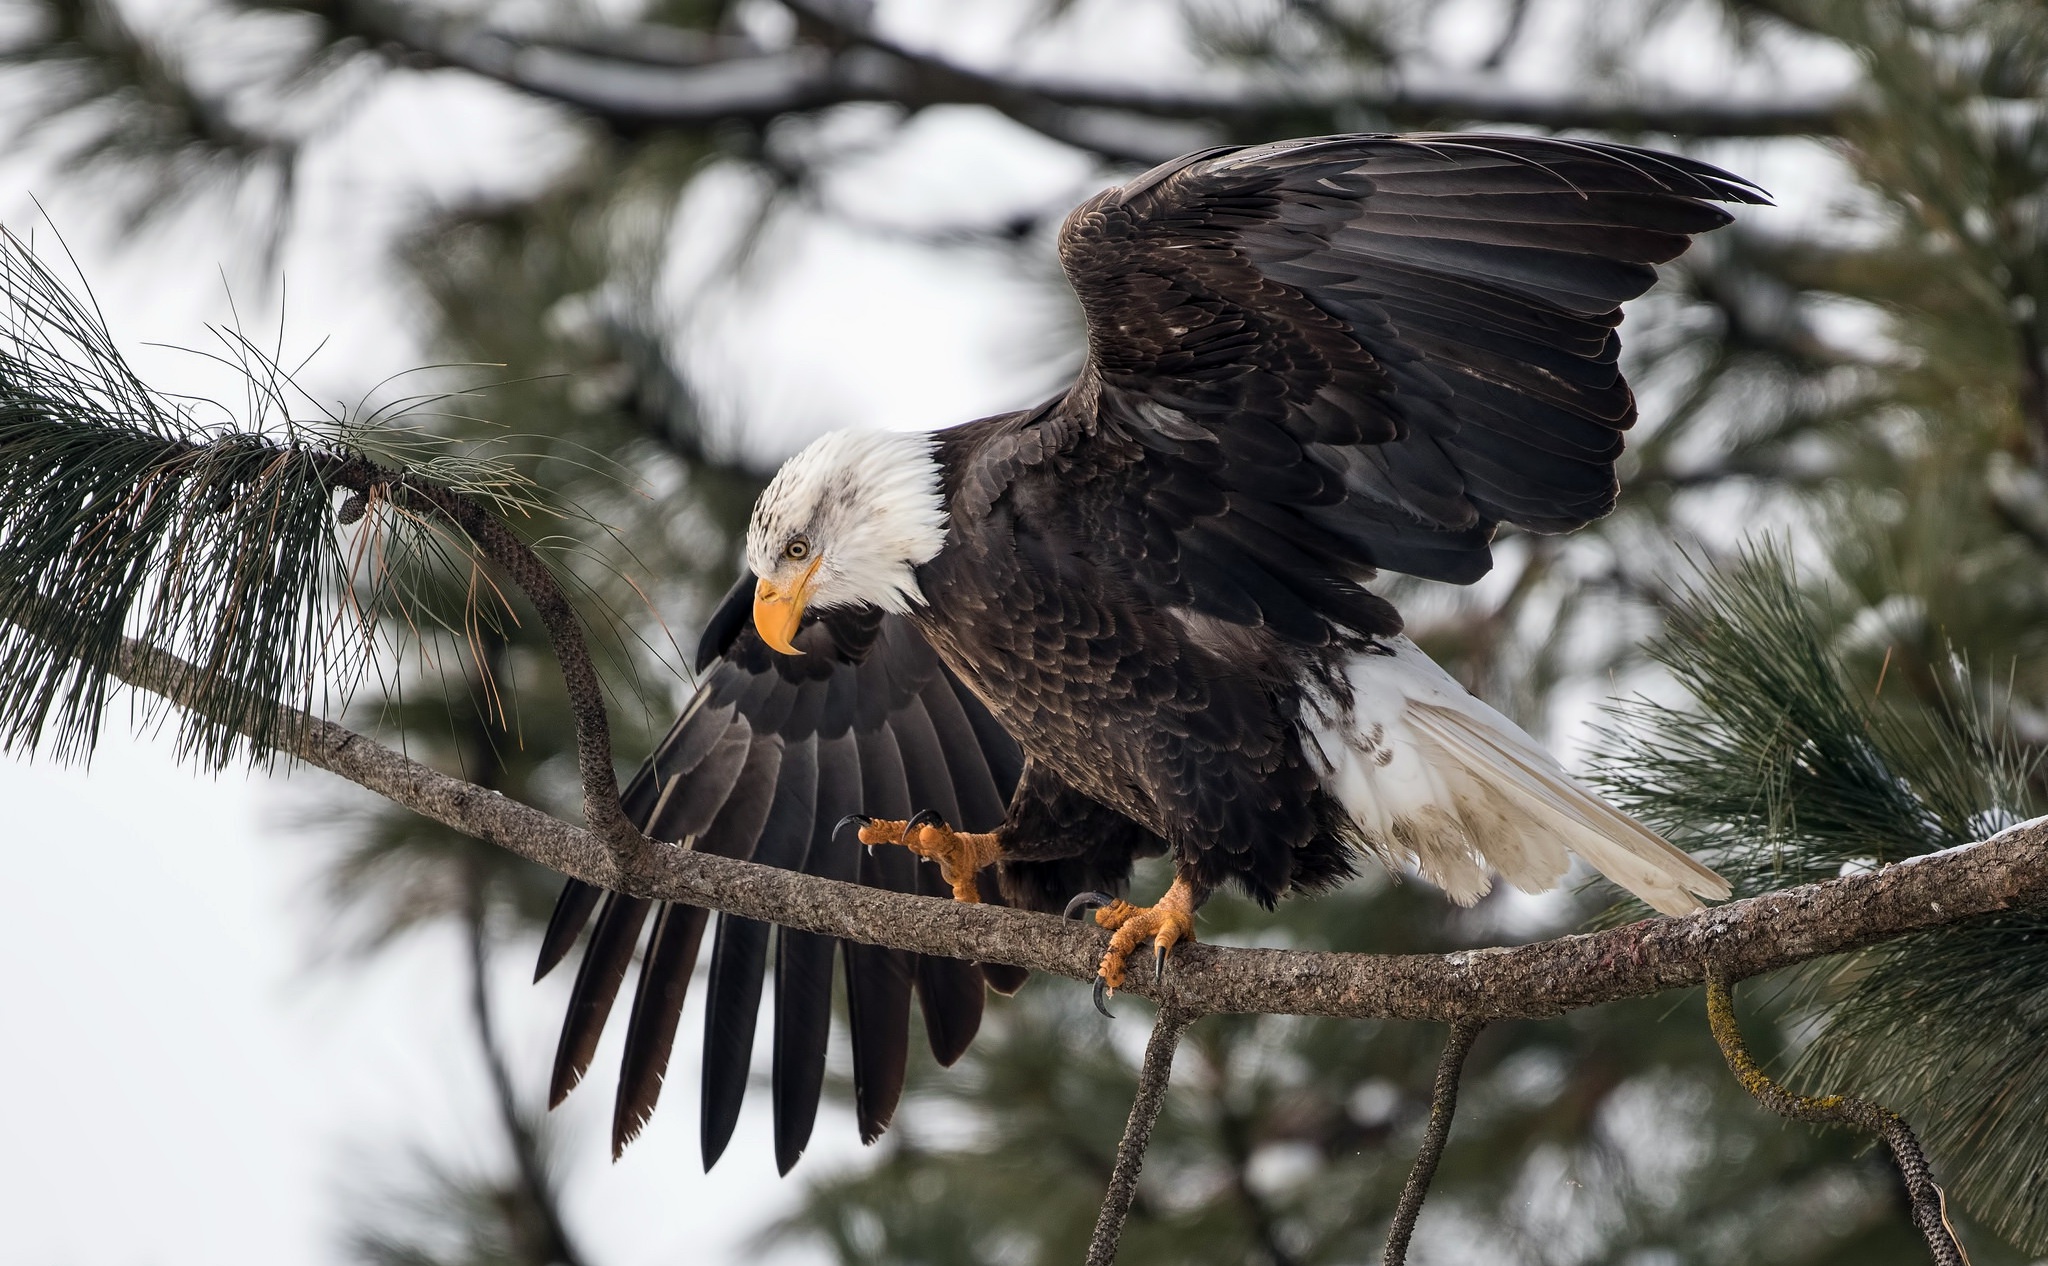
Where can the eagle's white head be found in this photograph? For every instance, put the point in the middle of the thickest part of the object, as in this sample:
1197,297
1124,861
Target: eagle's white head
845,523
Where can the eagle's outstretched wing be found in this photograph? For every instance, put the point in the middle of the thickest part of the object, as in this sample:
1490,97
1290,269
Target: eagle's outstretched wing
773,751
1313,359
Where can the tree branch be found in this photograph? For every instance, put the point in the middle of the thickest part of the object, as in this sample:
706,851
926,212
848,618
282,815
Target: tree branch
1744,938
655,87
602,811
1153,1076
1928,1202
1443,1101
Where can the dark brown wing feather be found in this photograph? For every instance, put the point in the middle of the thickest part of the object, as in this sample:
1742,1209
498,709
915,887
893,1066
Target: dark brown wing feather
1313,359
597,984
657,1006
770,754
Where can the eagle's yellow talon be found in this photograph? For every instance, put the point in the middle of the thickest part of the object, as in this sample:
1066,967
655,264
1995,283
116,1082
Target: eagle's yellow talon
961,855
1165,925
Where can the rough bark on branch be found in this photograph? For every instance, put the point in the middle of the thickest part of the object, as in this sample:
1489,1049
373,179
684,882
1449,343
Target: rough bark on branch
1153,1076
1925,1198
1742,939
1443,1104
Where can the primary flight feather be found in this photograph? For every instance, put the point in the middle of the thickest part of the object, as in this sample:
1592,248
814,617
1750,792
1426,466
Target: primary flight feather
1134,619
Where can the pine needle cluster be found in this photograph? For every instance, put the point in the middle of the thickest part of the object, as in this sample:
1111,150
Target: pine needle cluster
1785,768
124,515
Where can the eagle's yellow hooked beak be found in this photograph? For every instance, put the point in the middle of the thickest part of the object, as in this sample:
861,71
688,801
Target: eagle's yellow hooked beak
778,611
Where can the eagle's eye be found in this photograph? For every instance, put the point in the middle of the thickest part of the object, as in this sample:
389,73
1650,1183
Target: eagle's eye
797,550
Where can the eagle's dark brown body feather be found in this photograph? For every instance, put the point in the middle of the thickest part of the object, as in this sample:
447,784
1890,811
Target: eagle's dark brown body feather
1112,695
1307,362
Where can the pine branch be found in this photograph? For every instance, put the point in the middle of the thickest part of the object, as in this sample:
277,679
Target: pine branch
1739,939
1788,764
123,513
118,510
140,526
1747,938
1947,1028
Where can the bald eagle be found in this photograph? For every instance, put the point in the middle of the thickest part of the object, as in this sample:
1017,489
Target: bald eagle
1135,619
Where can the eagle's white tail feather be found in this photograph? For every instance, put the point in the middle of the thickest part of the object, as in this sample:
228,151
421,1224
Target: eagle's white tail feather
1431,773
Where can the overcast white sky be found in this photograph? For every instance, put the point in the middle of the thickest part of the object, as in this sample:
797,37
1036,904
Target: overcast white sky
185,1087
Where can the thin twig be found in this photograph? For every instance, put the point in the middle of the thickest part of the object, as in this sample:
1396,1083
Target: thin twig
1928,1202
1443,1101
1130,1153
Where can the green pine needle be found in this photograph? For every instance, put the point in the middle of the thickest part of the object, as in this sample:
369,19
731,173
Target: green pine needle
1785,769
122,516
1951,1030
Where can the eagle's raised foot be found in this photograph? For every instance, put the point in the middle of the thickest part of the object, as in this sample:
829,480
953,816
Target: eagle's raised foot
960,854
1165,925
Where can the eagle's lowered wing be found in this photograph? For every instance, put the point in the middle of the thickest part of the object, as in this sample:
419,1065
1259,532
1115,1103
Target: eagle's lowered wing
1313,359
769,755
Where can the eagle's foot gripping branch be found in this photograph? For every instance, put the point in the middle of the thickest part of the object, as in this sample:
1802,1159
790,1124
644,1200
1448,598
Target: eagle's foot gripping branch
1165,925
961,855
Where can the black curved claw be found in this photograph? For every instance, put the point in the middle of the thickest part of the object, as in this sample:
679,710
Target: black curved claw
862,818
840,825
1158,965
1102,997
923,817
1086,901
